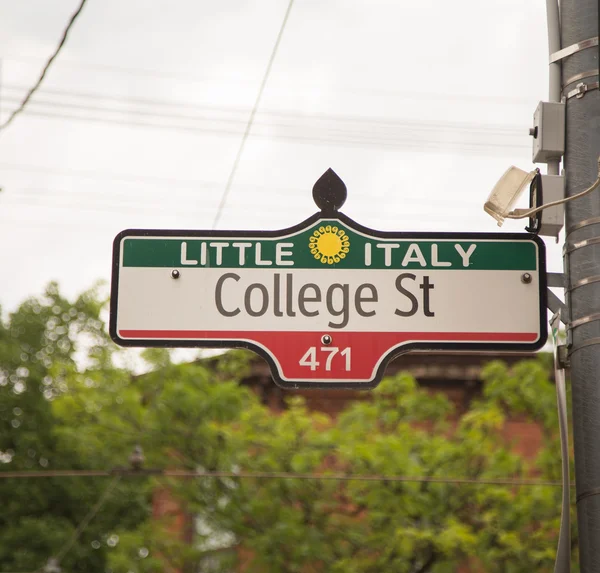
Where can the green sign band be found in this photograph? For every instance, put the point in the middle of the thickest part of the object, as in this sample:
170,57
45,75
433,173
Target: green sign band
328,244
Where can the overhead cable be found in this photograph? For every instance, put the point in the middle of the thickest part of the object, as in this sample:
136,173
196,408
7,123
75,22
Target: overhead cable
353,125
46,68
364,139
189,78
276,475
86,520
251,119
137,106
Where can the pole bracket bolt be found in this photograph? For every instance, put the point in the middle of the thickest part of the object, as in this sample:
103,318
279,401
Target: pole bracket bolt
526,278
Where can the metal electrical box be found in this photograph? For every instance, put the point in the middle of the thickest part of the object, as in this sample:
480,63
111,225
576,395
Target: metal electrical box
548,132
553,218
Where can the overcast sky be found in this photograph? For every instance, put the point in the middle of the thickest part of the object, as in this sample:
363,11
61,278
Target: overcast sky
418,106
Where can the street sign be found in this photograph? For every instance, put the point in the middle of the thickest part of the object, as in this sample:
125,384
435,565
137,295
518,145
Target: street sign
329,302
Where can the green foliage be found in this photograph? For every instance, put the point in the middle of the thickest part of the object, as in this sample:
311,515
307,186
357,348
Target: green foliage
64,404
39,377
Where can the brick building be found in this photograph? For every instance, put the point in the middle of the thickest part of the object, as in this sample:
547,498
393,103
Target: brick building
457,375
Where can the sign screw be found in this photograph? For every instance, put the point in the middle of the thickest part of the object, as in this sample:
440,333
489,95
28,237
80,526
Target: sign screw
326,339
175,274
526,278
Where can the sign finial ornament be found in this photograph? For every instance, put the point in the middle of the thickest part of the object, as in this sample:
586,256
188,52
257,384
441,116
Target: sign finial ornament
329,192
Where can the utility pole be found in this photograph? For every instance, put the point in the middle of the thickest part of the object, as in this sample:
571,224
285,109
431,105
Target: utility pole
579,22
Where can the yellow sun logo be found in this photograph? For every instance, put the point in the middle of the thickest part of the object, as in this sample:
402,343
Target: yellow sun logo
329,244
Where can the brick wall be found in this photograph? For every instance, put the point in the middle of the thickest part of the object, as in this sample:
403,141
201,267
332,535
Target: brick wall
456,375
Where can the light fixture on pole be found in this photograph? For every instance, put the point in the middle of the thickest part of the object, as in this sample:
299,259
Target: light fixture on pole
506,192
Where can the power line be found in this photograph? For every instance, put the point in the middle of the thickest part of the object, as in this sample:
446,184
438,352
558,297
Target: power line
320,127
129,71
44,198
86,520
46,68
345,88
182,213
106,175
139,112
131,100
282,115
138,202
360,140
118,473
351,125
135,200
276,475
251,118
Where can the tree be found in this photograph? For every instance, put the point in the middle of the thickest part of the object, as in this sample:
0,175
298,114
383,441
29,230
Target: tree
371,526
196,416
199,418
178,414
38,518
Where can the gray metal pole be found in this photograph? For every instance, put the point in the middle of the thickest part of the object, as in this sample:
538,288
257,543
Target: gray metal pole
553,18
579,22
